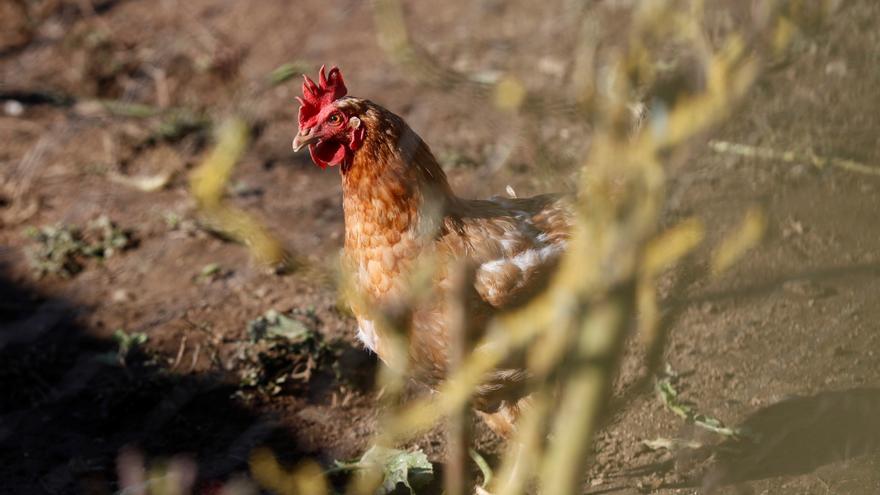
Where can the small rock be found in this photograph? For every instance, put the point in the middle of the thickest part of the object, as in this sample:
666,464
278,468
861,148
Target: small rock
798,171
13,108
551,66
121,295
836,68
708,308
793,228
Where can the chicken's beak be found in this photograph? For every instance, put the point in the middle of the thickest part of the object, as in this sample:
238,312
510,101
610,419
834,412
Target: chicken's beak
304,138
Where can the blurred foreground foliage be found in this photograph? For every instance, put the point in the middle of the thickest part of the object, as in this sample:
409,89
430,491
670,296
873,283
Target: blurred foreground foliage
208,185
575,330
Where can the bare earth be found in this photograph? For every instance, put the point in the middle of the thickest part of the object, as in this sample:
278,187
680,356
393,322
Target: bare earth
786,343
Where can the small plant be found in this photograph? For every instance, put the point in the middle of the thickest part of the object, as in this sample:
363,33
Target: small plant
63,249
284,351
126,343
104,238
398,467
209,272
277,326
172,219
686,410
58,251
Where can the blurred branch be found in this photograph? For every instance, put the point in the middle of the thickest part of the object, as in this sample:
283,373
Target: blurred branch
661,253
622,196
526,448
583,398
208,183
307,479
765,153
457,479
741,240
573,332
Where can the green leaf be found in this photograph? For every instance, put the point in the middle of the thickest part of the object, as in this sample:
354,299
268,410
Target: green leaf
688,412
285,72
209,271
127,342
483,465
411,469
274,325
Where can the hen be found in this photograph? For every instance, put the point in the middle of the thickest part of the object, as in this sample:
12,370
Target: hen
399,209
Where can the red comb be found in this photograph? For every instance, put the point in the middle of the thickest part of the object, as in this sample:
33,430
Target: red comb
331,87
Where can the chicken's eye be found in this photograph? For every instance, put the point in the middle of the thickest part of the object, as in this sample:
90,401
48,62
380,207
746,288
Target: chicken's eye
334,119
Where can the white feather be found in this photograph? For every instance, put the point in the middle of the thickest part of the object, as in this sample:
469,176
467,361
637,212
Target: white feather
367,334
494,266
524,260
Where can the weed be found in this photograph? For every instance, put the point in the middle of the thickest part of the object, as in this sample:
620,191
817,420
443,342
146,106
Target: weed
126,345
288,71
172,220
63,249
104,238
209,272
285,352
58,251
397,467
687,410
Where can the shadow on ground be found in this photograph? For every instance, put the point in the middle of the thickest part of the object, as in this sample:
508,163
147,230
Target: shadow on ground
799,435
67,409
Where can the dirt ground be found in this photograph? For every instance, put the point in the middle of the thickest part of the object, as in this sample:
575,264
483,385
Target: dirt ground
786,343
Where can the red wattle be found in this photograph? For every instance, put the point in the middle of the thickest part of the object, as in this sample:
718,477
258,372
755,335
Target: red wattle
327,153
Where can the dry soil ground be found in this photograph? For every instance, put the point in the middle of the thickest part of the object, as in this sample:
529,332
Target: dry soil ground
786,342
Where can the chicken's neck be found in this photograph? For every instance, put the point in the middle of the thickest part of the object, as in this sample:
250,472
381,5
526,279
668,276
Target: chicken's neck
395,197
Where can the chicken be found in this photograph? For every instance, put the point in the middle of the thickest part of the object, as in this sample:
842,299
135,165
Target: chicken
399,210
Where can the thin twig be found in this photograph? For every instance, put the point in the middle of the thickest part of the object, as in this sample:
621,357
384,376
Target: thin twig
180,352
765,153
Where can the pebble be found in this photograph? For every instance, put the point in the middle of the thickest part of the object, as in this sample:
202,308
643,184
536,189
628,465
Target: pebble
805,288
551,66
793,228
798,171
121,295
709,308
13,108
836,68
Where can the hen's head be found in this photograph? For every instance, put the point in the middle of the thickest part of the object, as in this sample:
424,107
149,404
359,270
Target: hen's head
330,130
